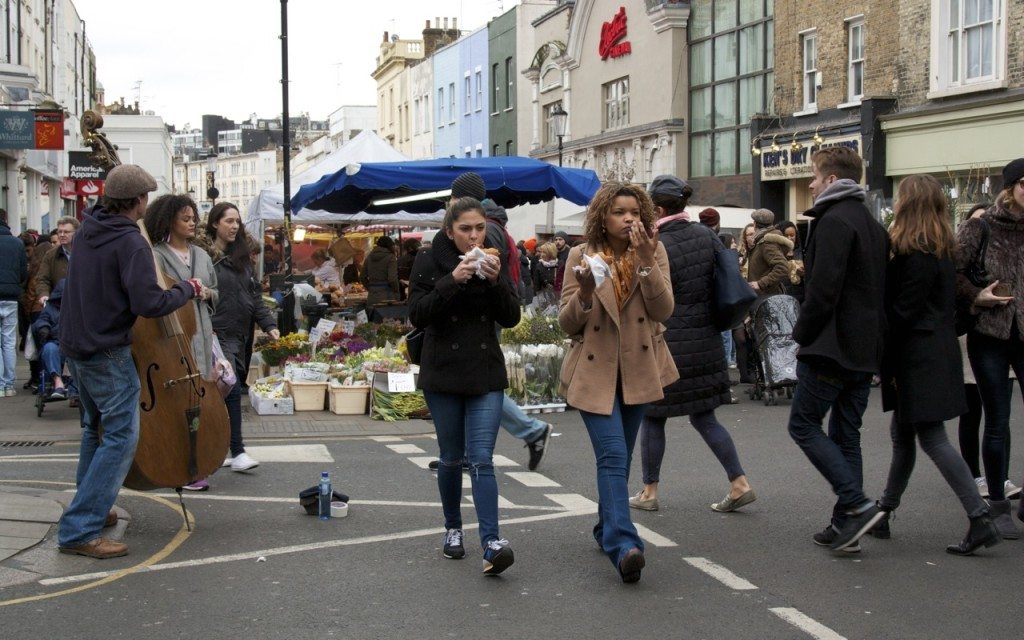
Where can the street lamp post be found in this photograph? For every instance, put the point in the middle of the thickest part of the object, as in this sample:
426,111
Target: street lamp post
558,118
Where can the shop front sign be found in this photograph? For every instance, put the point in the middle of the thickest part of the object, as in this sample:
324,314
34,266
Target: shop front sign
80,167
788,163
612,33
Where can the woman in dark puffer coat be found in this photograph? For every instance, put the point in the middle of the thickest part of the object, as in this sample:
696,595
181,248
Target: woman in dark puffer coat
696,347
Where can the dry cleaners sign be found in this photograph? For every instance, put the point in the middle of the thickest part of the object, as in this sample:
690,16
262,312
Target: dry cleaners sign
787,163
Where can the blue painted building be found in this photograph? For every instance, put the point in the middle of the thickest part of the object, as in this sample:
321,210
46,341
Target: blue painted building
474,103
447,117
461,97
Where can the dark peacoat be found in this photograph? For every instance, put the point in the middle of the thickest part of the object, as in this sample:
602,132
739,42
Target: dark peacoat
842,319
614,347
461,354
922,372
695,344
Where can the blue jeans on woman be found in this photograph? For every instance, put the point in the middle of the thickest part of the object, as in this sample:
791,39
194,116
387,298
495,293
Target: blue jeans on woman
109,390
467,426
613,437
991,360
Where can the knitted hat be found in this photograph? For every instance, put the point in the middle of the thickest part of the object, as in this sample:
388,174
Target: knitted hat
469,184
709,217
128,181
667,185
1013,172
561,234
762,218
530,244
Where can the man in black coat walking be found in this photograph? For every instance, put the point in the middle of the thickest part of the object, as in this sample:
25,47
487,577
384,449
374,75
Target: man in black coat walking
839,331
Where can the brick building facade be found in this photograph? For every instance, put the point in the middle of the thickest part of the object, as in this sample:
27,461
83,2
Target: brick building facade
834,76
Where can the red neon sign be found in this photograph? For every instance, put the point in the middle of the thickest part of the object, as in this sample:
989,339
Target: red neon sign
611,33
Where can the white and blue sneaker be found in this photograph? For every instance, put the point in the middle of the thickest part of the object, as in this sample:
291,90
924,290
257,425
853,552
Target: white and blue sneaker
453,544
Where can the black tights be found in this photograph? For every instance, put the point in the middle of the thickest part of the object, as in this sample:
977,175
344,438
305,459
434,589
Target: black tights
970,426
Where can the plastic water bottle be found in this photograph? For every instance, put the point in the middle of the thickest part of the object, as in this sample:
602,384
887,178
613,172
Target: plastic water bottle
325,495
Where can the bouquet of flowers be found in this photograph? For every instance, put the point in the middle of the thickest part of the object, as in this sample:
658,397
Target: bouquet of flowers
338,345
378,334
274,352
534,329
533,373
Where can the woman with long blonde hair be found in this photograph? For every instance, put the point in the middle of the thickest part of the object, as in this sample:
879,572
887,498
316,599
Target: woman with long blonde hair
618,361
922,375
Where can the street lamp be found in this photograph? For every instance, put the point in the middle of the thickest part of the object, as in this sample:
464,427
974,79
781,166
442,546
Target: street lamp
558,119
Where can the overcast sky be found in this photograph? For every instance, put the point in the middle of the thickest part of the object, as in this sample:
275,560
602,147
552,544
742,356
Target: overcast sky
223,57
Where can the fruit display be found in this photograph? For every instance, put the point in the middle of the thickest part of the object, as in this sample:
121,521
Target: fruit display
336,293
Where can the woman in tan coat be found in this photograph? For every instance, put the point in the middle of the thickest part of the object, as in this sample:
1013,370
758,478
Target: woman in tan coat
618,361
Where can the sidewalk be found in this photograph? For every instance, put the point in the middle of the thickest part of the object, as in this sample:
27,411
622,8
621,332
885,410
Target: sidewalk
27,514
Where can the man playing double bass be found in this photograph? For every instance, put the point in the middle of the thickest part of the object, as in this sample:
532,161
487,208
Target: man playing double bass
111,281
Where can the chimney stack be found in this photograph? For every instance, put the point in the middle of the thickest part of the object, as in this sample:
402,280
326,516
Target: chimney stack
455,23
385,36
446,23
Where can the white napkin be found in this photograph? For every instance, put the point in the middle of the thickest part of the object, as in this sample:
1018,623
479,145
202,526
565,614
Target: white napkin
598,267
477,254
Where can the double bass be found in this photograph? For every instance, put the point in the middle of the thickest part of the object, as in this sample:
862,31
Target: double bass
184,429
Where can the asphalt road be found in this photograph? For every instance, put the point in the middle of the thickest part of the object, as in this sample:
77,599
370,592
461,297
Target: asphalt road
379,572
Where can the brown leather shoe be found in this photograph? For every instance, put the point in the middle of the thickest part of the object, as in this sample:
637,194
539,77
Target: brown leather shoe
100,548
111,519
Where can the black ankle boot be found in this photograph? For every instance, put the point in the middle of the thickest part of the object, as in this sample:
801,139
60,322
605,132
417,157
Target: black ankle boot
982,532
881,530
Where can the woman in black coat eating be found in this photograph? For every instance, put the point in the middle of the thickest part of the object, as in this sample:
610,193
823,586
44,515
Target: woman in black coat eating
456,297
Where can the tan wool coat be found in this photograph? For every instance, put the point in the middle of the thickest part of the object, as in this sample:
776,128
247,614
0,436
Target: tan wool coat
611,345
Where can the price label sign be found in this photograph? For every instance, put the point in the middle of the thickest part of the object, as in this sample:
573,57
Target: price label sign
361,318
348,326
325,326
401,383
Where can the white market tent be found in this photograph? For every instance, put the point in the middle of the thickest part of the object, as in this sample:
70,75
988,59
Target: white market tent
268,206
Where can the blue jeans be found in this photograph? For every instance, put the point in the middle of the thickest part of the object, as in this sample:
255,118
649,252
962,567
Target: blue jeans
109,388
233,401
727,343
518,424
836,456
612,438
652,445
53,361
8,342
467,426
991,360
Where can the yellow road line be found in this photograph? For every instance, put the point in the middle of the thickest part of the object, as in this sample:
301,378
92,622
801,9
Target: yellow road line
178,539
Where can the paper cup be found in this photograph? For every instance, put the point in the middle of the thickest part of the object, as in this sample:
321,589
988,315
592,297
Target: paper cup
339,509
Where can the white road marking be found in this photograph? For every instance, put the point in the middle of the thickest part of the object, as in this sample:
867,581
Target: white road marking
502,502
385,438
38,456
405,448
291,453
532,479
502,461
808,625
720,573
423,462
299,548
656,539
573,501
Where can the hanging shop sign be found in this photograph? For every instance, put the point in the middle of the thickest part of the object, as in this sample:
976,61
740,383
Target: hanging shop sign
80,167
612,33
788,163
42,129
49,126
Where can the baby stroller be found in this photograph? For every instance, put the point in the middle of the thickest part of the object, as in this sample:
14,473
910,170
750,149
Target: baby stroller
773,352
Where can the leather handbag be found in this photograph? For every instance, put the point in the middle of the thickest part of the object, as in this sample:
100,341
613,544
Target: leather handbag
414,345
977,274
731,296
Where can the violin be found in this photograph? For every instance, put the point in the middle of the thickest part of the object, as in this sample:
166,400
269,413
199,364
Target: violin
184,429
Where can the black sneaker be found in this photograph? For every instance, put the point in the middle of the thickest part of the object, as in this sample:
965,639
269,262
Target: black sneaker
828,536
498,556
537,448
881,530
453,544
857,524
434,464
